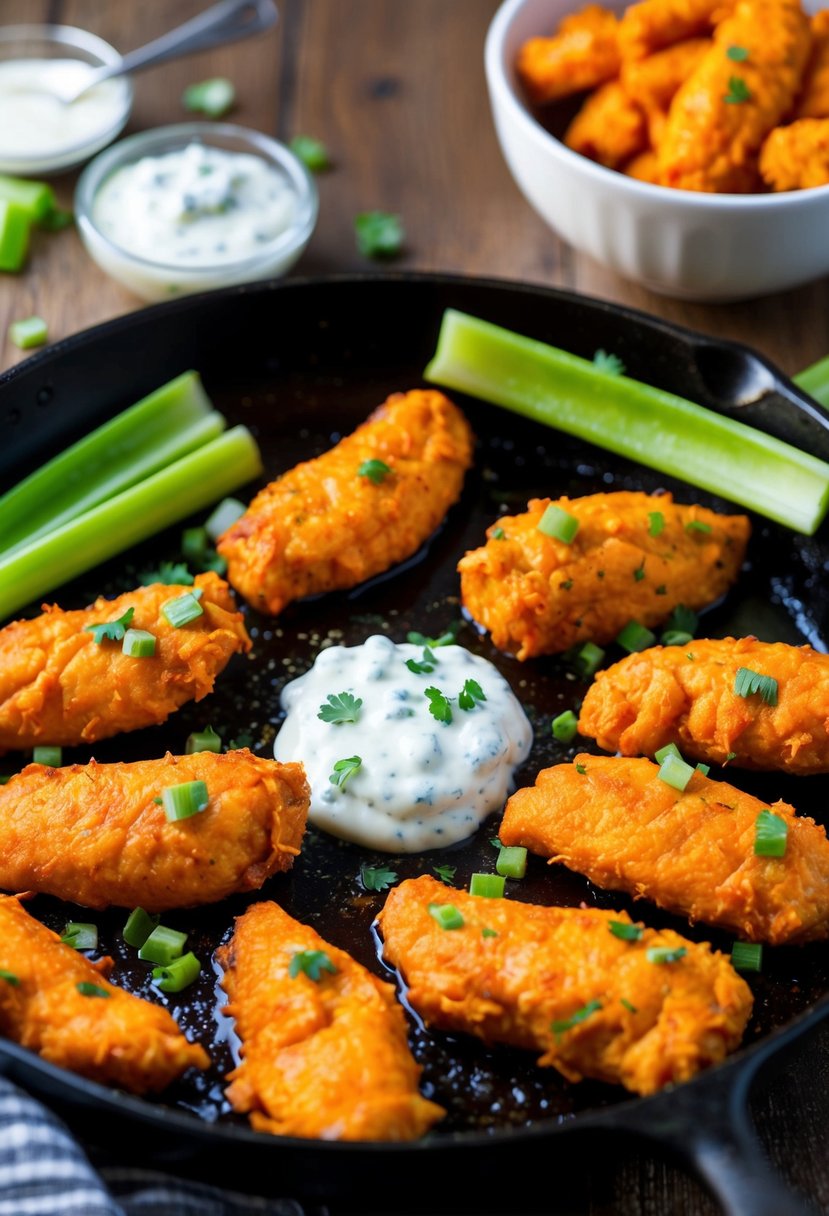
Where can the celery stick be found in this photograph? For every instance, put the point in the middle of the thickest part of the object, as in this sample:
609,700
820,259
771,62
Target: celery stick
656,428
14,236
196,481
36,198
174,420
815,381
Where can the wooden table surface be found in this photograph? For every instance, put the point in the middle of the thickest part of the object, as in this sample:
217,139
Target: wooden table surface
396,91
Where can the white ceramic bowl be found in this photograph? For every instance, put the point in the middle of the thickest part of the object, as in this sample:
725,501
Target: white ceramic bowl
676,242
157,280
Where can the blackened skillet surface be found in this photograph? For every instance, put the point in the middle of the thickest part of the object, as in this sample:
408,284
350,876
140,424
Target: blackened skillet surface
301,365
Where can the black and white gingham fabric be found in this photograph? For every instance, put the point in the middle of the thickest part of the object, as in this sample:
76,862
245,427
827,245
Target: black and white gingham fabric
44,1172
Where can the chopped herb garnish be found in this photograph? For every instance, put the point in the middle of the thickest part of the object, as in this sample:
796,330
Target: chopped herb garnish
498,534
379,234
661,589
639,572
737,53
696,525
624,931
183,609
705,769
670,749
635,637
184,800
558,524
565,726
675,772
448,638
80,935
344,770
664,954
445,873
162,946
87,989
341,707
178,974
28,333
312,152
447,916
488,886
49,757
587,659
439,706
567,585
731,756
203,741
581,1015
311,963
630,1008
112,631
377,878
213,97
425,665
682,620
169,573
56,219
138,644
376,471
10,978
138,928
580,768
241,740
470,695
656,522
738,92
488,933
612,365
748,682
512,861
770,835
747,956
675,637
495,842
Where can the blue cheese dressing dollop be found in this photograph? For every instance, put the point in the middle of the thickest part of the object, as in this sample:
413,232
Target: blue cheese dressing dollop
421,783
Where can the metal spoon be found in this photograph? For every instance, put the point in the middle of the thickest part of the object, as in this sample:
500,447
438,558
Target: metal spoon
225,22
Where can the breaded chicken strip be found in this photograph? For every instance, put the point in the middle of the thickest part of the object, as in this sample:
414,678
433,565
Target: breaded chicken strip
609,128
324,1050
368,503
618,823
58,686
796,157
653,81
654,24
537,595
644,167
686,695
98,834
813,99
56,1002
583,53
558,981
721,115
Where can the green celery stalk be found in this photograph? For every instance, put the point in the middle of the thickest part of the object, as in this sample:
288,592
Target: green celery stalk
190,484
815,381
37,199
14,236
174,420
635,420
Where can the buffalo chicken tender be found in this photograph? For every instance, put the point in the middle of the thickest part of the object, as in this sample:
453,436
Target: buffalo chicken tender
583,53
325,525
653,24
324,1051
813,99
720,117
609,128
538,595
653,82
615,821
686,695
98,834
558,981
54,1001
59,686
796,157
644,167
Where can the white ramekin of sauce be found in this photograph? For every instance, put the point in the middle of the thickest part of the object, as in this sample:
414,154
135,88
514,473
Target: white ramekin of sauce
195,206
39,133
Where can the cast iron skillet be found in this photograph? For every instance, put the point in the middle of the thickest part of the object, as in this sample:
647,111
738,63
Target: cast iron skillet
302,363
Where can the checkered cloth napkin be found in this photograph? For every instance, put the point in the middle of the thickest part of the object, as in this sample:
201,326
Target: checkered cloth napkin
44,1172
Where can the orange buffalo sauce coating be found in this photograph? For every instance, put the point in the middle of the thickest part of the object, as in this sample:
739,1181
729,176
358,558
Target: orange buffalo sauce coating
652,82
557,981
654,24
58,686
325,1059
797,156
813,100
583,53
609,128
323,526
95,834
116,1038
614,820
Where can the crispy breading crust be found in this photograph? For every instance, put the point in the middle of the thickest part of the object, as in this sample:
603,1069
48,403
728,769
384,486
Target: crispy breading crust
583,53
796,157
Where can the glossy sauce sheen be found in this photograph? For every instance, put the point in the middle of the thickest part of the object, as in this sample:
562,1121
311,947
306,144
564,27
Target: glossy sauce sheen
422,783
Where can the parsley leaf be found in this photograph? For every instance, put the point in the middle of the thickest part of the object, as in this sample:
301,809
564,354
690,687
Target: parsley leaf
242,740
612,365
580,768
448,638
738,91
626,1003
112,630
312,152
426,665
439,706
379,235
342,707
344,770
748,682
87,989
639,572
375,470
376,878
737,54
470,694
445,873
312,963
169,573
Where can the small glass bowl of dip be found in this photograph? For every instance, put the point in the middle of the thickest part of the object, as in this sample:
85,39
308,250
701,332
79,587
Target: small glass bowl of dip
39,134
193,207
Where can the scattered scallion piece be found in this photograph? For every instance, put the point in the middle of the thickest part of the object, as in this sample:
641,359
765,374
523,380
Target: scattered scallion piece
675,772
635,420
344,770
656,522
178,974
445,873
565,726
489,886
203,741
377,878
50,757
162,946
375,471
747,956
512,861
14,237
665,954
10,977
447,916
581,1015
341,707
28,333
624,931
87,989
312,152
770,835
181,610
36,199
587,659
682,620
670,749
194,544
80,935
223,517
138,644
675,637
705,769
213,97
379,234
498,533
696,525
627,1005
311,963
138,928
635,637
559,524
748,682
485,932
57,219
184,800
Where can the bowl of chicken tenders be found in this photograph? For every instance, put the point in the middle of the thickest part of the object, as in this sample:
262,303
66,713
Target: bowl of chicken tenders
682,143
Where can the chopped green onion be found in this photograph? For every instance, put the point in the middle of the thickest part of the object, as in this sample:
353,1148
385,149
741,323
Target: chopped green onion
312,152
565,726
57,219
665,954
214,97
705,769
87,989
162,946
588,659
194,545
10,978
375,471
625,931
169,573
14,240
696,525
581,769
138,644
203,741
656,522
634,420
447,916
182,610
738,91
675,773
635,637
675,637
747,956
489,886
445,873
80,935
488,932
627,1005
49,757
344,770
377,878
138,928
185,800
512,861
311,963
737,53
558,524
28,333
670,749
342,707
559,1028
223,517
35,198
379,235
682,620
770,835
498,533
178,974
748,682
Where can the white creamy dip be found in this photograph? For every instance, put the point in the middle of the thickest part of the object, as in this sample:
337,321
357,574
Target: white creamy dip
35,123
421,783
196,206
